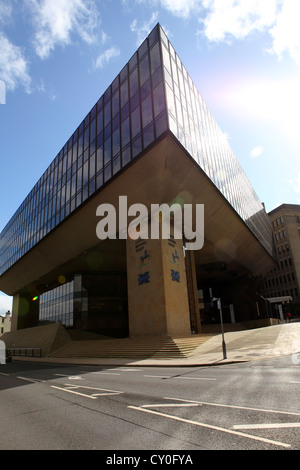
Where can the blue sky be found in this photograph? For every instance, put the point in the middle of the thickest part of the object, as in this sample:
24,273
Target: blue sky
57,57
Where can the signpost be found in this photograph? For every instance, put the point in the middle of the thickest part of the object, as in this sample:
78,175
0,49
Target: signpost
222,326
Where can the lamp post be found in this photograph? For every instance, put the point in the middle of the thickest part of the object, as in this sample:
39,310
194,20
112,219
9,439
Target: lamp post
222,326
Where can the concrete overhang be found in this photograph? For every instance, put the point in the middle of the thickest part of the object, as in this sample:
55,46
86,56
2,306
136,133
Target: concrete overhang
161,175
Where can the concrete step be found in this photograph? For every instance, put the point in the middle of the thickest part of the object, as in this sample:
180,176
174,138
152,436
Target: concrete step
157,347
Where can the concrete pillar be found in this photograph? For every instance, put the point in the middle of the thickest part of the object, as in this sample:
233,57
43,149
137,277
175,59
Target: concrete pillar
157,288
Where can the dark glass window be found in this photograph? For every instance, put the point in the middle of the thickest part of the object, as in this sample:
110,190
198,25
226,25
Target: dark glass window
135,122
125,132
134,84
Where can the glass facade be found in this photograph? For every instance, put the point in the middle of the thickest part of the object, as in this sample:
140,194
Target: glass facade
58,305
192,123
127,118
152,94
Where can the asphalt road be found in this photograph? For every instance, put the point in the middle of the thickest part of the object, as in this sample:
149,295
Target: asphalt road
244,406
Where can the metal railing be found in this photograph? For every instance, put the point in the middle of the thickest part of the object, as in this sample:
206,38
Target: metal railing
25,352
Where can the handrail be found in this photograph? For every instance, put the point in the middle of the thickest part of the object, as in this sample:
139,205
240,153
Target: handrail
27,352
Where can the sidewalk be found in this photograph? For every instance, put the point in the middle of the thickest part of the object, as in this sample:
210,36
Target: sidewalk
241,346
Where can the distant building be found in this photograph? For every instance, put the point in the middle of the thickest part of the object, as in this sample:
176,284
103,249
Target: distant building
5,323
284,279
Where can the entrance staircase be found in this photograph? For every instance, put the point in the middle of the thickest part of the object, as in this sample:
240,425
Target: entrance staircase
164,347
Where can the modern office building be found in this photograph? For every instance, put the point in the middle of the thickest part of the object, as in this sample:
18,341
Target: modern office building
284,279
151,138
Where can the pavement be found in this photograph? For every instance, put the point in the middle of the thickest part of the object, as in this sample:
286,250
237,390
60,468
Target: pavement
240,346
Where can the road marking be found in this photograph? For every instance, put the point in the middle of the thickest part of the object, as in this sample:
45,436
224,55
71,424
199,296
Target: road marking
30,380
176,377
267,426
194,378
2,373
71,388
234,406
159,376
294,382
74,377
105,373
216,428
73,391
160,405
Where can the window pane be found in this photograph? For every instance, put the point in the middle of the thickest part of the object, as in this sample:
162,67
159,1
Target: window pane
144,70
125,132
159,100
133,82
135,122
147,111
124,93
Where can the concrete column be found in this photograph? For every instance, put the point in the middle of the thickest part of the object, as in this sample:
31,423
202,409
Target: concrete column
157,288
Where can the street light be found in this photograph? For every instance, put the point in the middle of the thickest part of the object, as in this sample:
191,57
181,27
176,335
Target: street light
218,300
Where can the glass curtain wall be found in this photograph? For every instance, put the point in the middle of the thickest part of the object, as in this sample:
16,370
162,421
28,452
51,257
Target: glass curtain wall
191,122
128,117
58,305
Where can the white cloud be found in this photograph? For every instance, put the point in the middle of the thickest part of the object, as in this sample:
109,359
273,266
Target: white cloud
144,29
103,59
13,65
56,20
5,304
227,19
286,32
182,8
256,152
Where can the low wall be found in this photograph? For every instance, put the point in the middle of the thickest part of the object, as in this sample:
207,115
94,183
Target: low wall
246,325
48,338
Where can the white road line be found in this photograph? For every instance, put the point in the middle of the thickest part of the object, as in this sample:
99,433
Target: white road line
30,380
106,373
159,376
160,405
216,428
2,373
183,378
194,378
235,407
267,426
73,391
95,388
294,382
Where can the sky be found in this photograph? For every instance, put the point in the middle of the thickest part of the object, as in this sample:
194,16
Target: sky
57,57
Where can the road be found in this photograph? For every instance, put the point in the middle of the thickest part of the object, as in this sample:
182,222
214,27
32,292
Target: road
242,406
